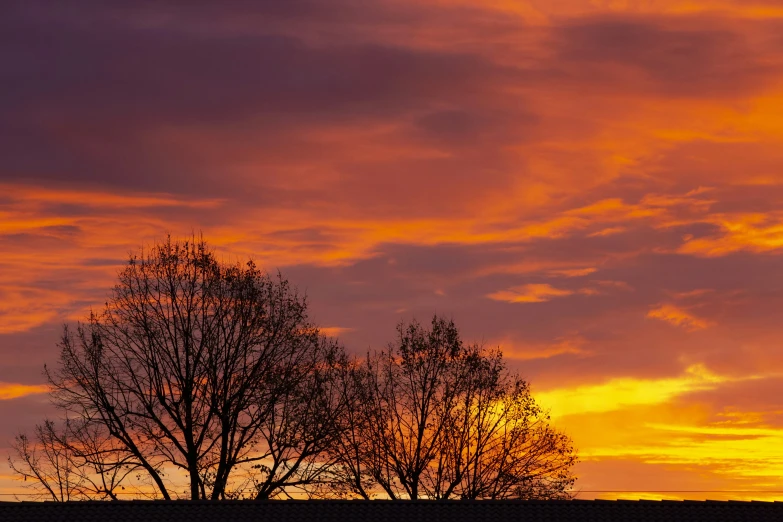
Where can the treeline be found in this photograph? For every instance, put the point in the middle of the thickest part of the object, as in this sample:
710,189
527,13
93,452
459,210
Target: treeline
204,380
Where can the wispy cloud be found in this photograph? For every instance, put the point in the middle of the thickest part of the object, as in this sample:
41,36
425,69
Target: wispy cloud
570,345
14,391
334,331
572,272
739,232
678,317
532,293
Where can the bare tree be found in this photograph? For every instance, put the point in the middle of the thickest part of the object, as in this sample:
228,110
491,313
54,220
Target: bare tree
502,445
412,389
437,418
203,372
352,454
302,426
200,379
75,460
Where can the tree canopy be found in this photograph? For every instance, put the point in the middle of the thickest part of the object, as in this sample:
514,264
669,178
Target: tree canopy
201,379
443,419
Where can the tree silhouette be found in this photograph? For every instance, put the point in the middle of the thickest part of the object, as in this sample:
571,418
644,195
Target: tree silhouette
201,371
71,461
441,419
205,380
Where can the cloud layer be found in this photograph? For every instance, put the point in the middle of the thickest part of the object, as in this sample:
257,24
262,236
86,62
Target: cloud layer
593,186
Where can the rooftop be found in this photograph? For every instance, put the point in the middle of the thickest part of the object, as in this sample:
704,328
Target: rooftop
391,511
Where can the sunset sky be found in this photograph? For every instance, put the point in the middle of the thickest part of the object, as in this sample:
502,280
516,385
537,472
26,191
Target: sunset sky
595,186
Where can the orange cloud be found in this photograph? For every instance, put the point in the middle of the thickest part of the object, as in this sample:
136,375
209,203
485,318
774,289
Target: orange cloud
14,391
532,293
571,345
22,308
691,293
749,232
542,292
678,317
334,331
573,272
607,232
94,198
